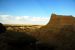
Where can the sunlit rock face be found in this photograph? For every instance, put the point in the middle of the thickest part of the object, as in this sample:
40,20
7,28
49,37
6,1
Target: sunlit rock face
61,20
57,22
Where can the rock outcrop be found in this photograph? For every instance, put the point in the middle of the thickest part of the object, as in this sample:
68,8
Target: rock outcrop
61,20
60,31
2,28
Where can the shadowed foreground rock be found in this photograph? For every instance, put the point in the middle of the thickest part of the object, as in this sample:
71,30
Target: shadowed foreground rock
28,43
45,46
2,28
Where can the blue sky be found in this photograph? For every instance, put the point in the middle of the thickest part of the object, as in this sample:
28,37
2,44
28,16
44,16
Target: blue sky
41,9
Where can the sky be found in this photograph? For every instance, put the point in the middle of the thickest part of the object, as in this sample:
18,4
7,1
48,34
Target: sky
35,12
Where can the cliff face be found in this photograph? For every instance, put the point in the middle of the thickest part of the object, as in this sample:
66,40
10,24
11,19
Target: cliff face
56,25
61,20
57,22
60,31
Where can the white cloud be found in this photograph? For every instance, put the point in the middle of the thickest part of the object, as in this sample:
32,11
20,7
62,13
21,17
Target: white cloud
8,19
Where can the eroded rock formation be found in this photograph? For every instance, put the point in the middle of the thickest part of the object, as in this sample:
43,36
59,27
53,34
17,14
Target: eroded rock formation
2,28
61,20
60,31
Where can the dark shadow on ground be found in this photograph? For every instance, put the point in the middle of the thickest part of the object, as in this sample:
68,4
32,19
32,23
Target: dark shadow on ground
21,41
11,40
